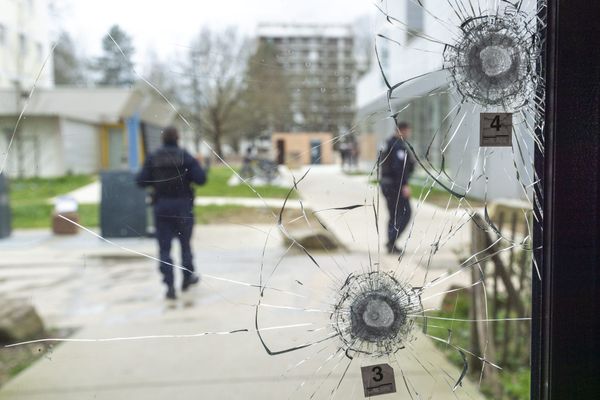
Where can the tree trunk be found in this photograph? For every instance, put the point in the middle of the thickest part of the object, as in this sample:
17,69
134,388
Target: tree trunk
217,134
217,143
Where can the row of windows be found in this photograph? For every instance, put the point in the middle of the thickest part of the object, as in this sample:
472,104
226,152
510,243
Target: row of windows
330,115
322,88
311,46
321,107
315,54
24,43
322,91
331,68
330,92
323,77
311,40
316,107
324,108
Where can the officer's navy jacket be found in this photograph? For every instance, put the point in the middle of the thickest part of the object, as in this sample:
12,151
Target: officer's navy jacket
170,171
397,164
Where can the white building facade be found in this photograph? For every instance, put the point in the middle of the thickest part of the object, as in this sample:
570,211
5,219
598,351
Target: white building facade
24,44
71,130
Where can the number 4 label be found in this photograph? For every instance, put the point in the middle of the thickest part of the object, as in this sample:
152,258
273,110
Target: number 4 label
496,130
378,379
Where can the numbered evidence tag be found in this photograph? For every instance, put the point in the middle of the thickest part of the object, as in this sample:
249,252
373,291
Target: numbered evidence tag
378,379
495,130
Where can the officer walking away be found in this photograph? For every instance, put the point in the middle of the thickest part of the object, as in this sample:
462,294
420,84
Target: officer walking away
170,171
397,165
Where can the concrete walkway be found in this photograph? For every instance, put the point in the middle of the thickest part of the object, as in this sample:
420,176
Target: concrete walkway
431,241
107,292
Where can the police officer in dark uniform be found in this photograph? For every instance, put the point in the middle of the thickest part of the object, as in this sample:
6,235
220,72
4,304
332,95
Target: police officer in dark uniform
397,165
170,171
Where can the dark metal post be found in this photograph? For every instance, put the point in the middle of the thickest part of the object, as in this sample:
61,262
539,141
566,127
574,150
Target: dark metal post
566,339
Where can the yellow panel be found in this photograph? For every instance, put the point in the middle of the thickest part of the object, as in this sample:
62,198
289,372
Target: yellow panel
104,146
104,141
141,152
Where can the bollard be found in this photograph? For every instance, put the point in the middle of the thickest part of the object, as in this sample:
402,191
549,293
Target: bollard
65,216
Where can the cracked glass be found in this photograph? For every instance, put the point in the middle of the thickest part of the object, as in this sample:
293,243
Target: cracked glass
369,203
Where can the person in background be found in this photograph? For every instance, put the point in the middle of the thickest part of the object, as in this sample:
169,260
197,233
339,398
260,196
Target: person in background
171,171
397,165
247,170
344,153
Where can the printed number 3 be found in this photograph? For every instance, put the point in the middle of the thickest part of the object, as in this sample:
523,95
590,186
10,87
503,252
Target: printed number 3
496,123
378,375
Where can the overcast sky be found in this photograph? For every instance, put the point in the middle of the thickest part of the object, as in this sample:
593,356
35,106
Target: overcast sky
165,26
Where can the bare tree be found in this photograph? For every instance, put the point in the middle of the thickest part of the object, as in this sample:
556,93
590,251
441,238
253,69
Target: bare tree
163,77
213,72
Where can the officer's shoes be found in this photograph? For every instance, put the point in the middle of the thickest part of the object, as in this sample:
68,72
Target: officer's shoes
171,295
393,249
188,281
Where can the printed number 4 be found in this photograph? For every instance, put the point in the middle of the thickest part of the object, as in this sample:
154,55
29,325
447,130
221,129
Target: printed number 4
378,375
496,123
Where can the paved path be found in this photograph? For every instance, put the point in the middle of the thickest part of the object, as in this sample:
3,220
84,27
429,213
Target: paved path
107,292
431,242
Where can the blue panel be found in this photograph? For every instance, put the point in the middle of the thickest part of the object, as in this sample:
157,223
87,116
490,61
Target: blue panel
133,125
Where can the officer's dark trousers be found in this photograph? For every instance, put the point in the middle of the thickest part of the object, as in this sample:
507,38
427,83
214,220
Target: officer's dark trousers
174,218
398,209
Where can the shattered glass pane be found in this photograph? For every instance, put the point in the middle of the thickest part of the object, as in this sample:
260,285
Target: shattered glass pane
295,305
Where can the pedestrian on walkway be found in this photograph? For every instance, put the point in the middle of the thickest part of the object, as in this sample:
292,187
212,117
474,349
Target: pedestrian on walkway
170,171
354,154
397,165
344,154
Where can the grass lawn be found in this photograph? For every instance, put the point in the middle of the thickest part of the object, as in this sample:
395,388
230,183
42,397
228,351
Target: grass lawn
515,376
30,207
29,198
436,195
35,190
357,173
216,186
39,215
439,196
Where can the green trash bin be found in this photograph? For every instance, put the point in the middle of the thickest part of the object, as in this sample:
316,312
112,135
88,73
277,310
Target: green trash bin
123,206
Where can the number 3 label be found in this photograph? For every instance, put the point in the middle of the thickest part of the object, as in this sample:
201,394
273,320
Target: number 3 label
378,375
378,379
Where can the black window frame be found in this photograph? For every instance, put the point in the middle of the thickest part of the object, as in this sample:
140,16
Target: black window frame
566,301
